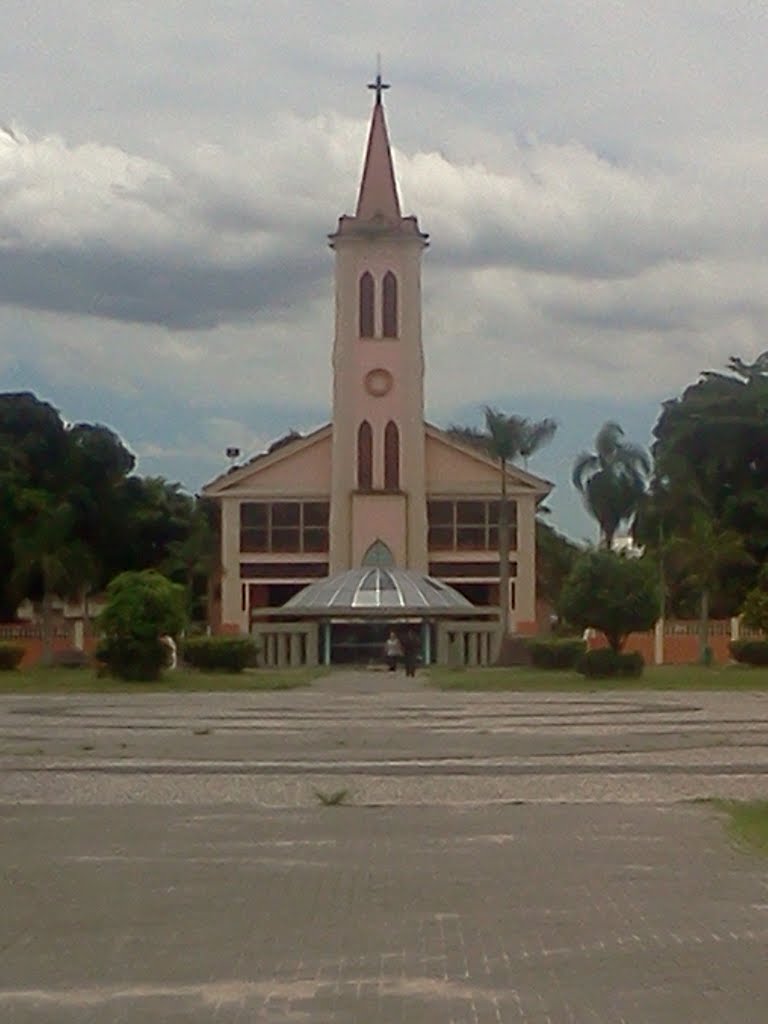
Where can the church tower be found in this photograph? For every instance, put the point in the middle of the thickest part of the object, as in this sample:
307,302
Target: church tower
378,501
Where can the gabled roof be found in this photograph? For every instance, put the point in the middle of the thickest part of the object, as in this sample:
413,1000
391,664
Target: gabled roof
233,478
520,478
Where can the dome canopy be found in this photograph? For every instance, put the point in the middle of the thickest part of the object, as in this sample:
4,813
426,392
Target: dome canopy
379,590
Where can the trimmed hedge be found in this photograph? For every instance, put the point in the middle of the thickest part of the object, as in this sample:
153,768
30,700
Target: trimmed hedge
557,654
10,656
220,653
605,663
750,652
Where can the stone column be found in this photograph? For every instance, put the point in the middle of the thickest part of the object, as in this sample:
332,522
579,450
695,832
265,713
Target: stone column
233,618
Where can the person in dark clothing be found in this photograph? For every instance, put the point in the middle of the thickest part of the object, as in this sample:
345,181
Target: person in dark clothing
411,647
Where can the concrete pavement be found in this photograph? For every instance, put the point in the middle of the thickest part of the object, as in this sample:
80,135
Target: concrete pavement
499,857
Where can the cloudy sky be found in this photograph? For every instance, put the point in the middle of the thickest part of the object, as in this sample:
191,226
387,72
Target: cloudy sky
592,175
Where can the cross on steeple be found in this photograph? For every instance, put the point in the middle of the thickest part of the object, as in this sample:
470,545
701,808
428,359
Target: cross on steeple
378,84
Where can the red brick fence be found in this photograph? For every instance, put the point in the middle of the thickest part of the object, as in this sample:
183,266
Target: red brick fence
67,636
676,641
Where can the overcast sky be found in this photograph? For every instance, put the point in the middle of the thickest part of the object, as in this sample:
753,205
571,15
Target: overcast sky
593,176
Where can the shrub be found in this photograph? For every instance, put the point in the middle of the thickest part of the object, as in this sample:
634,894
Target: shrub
10,656
141,607
557,654
131,659
750,652
606,663
755,609
609,592
220,653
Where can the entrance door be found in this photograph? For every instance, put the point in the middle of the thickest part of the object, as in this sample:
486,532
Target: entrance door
359,643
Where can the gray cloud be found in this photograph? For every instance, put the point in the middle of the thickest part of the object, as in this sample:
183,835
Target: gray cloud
592,178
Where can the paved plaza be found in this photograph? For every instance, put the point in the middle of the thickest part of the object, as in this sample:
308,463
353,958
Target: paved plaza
542,858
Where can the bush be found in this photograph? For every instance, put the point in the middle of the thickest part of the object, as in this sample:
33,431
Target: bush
605,663
750,652
220,653
557,654
755,609
609,592
135,660
141,607
10,656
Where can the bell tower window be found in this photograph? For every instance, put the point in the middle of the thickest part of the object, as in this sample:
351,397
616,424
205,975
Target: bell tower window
389,306
365,457
391,457
366,305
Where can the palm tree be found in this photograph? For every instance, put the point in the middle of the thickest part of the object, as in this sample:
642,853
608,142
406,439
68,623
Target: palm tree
703,552
535,434
611,479
504,439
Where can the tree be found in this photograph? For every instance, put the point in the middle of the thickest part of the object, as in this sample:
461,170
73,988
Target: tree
611,479
192,559
716,435
504,439
44,551
141,607
755,610
535,434
32,452
555,558
612,593
703,552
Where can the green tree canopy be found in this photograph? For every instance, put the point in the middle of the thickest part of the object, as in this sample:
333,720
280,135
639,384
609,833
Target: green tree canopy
615,594
711,452
93,518
611,480
141,607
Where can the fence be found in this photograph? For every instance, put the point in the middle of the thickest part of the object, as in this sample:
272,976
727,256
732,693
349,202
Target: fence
676,641
65,636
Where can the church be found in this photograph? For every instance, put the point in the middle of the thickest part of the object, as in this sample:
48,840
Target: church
377,488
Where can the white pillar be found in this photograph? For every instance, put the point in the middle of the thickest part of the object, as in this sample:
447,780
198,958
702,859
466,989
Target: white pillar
658,642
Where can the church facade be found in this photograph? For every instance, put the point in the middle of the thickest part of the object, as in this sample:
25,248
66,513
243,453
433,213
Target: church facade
377,485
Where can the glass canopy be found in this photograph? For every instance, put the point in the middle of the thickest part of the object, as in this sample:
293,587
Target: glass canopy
395,590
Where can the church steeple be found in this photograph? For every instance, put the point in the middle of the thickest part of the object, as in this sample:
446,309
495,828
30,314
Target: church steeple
378,188
378,474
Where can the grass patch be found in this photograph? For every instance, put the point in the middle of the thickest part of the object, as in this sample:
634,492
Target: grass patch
748,822
662,677
332,799
84,680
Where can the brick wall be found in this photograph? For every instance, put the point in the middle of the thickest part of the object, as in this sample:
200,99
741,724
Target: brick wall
31,636
681,641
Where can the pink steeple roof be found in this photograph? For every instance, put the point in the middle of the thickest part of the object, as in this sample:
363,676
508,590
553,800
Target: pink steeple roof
378,188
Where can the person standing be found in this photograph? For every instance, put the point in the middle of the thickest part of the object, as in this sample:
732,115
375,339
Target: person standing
411,652
393,650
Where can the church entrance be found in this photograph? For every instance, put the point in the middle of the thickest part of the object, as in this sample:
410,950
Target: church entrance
362,643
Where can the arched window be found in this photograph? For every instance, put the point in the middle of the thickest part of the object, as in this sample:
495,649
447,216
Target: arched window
378,555
391,457
389,306
365,457
366,305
